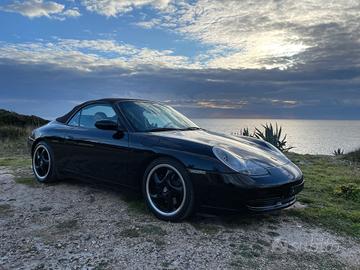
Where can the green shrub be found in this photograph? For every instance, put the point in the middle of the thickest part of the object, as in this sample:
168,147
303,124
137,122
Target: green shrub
8,118
14,126
353,156
14,132
350,191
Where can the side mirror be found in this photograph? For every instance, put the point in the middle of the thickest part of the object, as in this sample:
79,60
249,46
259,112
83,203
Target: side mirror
106,125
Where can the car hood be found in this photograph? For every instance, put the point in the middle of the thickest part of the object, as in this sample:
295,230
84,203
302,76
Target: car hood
244,147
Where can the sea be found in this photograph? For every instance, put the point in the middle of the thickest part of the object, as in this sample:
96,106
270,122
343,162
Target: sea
306,136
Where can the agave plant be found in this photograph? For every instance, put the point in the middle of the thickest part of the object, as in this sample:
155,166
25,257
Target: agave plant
273,136
243,132
338,152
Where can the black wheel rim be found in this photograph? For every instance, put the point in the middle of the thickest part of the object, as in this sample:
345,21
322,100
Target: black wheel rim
41,162
165,189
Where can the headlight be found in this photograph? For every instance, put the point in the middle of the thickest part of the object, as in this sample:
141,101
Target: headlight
277,152
238,164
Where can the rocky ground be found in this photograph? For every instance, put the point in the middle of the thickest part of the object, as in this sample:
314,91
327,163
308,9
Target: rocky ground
73,225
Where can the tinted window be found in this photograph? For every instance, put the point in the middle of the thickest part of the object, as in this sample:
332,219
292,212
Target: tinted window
75,120
93,113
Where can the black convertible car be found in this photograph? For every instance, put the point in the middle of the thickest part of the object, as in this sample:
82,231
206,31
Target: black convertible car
177,165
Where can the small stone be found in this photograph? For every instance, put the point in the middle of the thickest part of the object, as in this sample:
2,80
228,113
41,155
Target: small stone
45,209
92,198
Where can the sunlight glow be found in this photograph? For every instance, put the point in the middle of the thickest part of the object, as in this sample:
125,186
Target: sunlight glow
263,51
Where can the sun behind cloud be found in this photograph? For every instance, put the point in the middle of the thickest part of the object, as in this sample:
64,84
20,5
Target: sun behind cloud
229,57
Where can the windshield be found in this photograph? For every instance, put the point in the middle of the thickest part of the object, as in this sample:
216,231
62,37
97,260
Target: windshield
148,116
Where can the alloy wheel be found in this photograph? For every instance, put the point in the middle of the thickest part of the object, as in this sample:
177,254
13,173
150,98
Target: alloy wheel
41,162
165,189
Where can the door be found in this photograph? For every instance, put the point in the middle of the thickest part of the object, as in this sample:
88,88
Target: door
95,153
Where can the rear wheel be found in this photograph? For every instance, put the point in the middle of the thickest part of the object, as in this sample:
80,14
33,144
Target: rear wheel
167,190
43,163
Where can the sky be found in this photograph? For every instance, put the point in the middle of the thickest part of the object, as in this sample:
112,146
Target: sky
208,59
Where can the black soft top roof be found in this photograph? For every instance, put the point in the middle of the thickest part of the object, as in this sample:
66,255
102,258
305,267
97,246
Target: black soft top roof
65,118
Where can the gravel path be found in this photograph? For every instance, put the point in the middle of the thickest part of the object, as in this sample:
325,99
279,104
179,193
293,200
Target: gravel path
72,225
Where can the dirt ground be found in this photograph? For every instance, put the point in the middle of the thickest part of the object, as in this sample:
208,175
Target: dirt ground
74,225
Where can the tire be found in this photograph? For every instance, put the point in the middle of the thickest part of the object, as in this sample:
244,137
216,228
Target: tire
168,190
43,163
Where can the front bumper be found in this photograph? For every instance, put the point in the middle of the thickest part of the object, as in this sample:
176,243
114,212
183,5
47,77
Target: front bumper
273,205
269,199
236,192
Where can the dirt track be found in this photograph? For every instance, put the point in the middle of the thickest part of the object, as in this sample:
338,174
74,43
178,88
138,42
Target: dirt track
72,225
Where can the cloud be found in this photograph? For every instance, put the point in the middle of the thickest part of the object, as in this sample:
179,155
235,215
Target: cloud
40,8
252,59
265,34
88,55
236,104
115,7
239,34
208,103
196,92
285,103
71,13
148,24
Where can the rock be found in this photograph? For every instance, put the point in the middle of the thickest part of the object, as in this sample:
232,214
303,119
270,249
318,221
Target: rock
45,209
92,198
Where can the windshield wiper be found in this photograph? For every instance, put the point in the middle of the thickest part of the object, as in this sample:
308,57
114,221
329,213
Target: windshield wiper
191,128
162,129
170,129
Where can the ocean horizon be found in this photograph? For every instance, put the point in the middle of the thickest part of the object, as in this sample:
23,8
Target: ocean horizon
318,137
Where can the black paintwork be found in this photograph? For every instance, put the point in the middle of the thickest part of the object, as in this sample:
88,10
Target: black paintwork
122,156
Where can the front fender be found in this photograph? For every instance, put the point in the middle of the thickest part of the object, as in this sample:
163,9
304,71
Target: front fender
195,161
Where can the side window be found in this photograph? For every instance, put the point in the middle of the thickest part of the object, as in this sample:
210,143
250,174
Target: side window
93,113
75,120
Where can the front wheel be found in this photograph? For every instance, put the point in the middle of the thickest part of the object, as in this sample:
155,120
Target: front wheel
167,190
43,163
